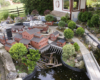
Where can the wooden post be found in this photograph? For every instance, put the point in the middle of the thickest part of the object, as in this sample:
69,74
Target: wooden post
18,11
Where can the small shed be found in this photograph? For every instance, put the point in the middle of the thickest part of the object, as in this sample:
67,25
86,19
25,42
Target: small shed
72,7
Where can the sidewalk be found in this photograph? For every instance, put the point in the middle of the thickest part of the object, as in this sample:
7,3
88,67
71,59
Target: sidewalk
89,62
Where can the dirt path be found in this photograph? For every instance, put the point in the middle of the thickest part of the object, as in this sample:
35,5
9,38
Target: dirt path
2,71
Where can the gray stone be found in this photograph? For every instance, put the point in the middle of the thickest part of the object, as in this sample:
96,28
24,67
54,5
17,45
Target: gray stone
22,75
12,76
79,57
80,64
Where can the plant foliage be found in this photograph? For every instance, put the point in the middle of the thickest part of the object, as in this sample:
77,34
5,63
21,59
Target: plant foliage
13,16
61,24
17,51
95,20
64,19
39,5
68,33
47,12
79,16
89,23
49,17
72,25
34,12
80,31
84,17
68,51
76,46
31,59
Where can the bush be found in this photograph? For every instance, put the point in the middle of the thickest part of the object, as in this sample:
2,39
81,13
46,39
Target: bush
69,21
61,24
68,33
67,16
5,14
89,15
49,17
79,16
55,19
80,31
34,12
47,12
76,46
95,20
89,23
68,51
13,16
64,19
72,25
84,17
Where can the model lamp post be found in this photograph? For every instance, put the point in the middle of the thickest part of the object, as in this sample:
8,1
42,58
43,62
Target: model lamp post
3,31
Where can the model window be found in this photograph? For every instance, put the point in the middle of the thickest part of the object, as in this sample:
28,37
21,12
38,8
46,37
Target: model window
75,4
66,4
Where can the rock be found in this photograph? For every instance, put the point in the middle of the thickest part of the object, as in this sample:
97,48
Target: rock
12,76
80,64
18,79
79,57
22,75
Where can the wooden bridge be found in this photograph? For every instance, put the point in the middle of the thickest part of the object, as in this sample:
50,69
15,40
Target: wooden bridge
91,64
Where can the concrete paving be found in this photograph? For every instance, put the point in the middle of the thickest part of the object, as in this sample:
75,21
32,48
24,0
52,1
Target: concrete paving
89,62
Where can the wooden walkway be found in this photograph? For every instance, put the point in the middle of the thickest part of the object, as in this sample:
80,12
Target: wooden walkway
90,64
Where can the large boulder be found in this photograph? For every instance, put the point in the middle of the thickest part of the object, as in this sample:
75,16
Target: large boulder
22,75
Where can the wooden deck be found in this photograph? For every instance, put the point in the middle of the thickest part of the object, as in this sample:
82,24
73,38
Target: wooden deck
90,64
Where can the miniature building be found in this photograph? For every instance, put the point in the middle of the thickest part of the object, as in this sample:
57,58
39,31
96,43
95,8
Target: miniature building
9,44
2,39
9,20
32,37
54,36
61,42
17,28
72,7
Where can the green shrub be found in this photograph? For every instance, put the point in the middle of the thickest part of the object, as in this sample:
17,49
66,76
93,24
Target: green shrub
84,17
64,19
95,20
68,51
76,46
68,33
89,15
69,21
80,31
5,14
79,16
49,17
34,12
67,16
61,24
89,23
13,15
72,25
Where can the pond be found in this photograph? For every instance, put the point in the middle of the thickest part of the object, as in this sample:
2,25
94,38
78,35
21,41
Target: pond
59,73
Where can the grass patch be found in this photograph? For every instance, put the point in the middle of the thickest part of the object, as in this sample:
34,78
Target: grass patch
62,30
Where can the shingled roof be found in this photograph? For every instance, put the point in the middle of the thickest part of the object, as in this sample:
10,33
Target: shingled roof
1,37
37,39
19,36
10,41
24,41
8,45
61,40
55,33
33,31
17,27
38,35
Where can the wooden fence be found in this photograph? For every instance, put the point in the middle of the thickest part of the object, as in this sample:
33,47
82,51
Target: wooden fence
16,10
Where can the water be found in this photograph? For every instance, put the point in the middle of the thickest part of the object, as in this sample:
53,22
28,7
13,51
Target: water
59,73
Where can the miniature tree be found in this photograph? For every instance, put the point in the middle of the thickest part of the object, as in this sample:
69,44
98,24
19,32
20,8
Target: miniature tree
34,12
80,31
89,15
68,21
68,33
31,59
49,17
47,12
95,20
72,25
76,46
79,16
61,24
89,23
64,19
84,17
17,51
68,51
67,16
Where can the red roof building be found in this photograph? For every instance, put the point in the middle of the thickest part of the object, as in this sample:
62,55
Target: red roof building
61,42
54,36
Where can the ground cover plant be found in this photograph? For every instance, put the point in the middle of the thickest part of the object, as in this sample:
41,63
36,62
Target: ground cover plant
72,25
